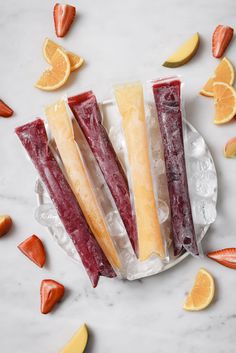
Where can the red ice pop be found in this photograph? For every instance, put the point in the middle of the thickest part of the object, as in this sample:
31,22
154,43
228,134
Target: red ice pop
34,138
88,116
168,105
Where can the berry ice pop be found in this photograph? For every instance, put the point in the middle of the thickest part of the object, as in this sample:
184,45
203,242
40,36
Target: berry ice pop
33,136
88,116
168,104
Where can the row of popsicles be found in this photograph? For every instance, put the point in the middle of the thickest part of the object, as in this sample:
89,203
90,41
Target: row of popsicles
73,194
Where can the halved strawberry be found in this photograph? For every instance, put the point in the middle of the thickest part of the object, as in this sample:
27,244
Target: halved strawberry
63,15
221,39
50,292
33,248
225,257
5,110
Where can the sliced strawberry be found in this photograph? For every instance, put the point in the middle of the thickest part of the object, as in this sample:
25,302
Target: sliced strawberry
225,257
5,110
221,39
33,248
63,17
50,292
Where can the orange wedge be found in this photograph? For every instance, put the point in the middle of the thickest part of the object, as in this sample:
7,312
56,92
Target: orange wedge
58,74
75,60
49,48
202,292
223,73
224,101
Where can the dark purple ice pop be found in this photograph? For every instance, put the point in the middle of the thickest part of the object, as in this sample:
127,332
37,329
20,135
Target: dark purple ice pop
88,116
34,138
168,105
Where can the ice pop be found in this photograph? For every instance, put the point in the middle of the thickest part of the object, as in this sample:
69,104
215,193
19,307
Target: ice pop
130,102
61,127
168,105
87,114
34,138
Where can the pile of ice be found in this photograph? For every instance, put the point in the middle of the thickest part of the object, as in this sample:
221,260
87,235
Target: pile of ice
202,180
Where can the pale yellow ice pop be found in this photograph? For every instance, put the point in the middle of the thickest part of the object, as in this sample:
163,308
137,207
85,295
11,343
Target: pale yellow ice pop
130,102
62,130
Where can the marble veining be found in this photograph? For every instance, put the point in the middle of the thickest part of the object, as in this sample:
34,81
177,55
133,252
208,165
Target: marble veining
119,41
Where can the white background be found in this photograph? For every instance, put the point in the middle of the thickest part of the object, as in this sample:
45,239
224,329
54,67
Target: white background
119,40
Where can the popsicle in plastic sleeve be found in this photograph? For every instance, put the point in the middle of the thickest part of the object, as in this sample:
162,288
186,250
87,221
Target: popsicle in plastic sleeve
130,102
88,116
61,127
167,95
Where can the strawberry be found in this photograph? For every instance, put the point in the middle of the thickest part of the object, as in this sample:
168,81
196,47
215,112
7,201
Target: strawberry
225,257
221,39
63,17
33,248
5,224
5,111
50,292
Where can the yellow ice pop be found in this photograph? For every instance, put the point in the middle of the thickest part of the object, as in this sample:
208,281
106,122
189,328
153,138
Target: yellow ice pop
129,98
62,130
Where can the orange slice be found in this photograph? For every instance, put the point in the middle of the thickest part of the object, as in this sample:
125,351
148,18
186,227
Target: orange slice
75,60
50,47
58,74
202,292
223,73
224,101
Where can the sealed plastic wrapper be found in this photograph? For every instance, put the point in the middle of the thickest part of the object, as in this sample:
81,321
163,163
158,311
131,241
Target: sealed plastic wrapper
130,102
62,129
112,156
88,116
168,100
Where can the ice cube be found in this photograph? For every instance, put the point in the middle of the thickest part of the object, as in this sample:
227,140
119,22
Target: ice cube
163,211
61,237
117,139
115,224
205,183
195,144
122,241
200,165
204,211
47,215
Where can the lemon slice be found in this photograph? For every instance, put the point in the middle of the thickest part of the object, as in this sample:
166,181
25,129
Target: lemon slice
202,292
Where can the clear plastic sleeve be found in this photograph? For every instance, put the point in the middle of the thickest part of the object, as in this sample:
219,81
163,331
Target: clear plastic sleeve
130,102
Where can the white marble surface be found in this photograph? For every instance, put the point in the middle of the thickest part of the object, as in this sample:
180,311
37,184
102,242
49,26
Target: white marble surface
120,40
